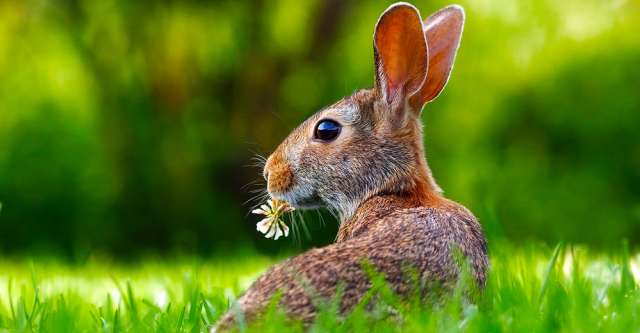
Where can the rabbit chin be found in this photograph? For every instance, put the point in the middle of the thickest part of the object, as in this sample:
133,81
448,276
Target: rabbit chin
300,198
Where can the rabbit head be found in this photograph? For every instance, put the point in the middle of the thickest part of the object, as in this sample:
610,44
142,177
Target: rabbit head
370,143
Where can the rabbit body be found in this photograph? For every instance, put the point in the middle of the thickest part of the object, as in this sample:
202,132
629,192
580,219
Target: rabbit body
418,238
369,166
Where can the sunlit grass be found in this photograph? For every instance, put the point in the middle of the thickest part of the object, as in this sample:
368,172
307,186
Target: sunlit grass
530,289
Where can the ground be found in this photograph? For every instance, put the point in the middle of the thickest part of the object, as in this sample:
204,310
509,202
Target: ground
531,288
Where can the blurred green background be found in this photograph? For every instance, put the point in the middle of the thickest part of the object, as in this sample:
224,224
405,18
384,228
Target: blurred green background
129,127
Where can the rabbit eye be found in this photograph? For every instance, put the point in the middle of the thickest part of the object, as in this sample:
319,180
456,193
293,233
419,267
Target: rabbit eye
327,130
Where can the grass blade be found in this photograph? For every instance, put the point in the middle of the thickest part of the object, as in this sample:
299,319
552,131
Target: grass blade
549,270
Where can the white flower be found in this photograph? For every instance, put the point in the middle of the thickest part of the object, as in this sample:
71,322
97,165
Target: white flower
272,226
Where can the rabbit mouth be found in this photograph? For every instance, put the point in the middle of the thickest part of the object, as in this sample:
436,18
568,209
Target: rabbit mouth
309,202
300,198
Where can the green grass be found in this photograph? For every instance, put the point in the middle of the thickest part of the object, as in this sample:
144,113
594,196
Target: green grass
531,288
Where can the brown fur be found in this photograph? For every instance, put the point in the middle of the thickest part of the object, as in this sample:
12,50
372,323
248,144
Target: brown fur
375,176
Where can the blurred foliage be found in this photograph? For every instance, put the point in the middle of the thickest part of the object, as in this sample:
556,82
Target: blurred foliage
129,126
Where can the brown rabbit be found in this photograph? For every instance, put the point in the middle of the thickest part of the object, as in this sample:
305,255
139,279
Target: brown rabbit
363,157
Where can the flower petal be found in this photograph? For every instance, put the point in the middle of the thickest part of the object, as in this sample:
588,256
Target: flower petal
265,208
278,233
259,211
285,228
272,230
263,226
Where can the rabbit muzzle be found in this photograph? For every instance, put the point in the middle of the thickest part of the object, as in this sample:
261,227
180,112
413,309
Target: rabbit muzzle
278,174
282,184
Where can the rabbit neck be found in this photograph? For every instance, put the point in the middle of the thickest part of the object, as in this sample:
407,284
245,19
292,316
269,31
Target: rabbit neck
418,187
424,193
417,190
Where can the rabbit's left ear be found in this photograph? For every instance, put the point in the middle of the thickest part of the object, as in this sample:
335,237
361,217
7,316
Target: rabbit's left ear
401,55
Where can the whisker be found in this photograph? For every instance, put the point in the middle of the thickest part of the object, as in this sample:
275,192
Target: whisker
257,197
295,229
334,213
320,218
257,200
256,182
259,189
303,226
258,160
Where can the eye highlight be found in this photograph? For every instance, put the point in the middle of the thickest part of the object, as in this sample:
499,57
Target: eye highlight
327,130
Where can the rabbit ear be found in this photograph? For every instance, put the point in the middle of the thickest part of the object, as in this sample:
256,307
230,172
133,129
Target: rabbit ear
401,55
443,31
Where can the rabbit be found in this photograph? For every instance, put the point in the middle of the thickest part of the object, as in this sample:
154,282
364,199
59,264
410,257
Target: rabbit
363,158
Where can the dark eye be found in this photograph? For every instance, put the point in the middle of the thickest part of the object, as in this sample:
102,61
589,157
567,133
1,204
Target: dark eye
327,130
